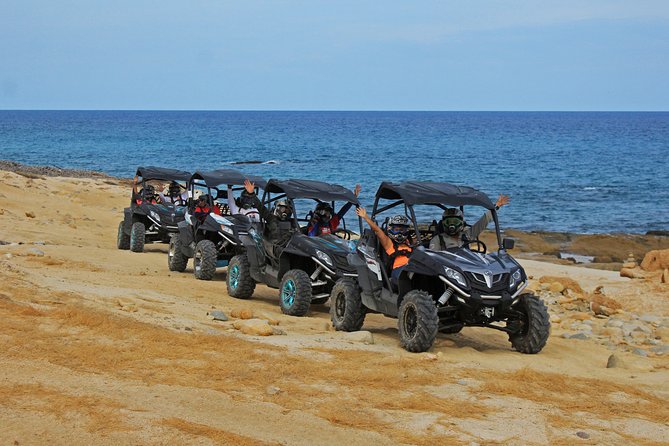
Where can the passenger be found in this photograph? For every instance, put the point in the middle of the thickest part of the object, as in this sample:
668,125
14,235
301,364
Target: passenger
245,204
396,243
174,195
323,222
204,207
147,194
451,231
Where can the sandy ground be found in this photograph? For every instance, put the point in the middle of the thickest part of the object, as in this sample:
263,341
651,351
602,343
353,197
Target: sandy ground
101,346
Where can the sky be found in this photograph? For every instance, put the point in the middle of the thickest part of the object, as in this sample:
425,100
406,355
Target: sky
335,55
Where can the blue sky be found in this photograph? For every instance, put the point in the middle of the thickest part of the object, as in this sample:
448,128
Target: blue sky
335,55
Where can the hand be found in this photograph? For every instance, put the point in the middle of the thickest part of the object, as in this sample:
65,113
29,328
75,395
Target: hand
502,200
362,212
134,180
357,190
249,186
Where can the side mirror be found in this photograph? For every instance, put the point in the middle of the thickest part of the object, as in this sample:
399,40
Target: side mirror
508,243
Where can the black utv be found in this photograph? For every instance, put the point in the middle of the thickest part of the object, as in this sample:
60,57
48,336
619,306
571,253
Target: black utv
304,268
213,241
152,216
439,291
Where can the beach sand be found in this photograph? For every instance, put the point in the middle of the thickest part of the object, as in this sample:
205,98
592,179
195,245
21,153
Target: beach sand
102,346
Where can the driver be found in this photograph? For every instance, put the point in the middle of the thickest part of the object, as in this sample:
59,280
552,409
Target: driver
451,230
204,207
245,204
278,222
323,221
396,243
174,195
148,193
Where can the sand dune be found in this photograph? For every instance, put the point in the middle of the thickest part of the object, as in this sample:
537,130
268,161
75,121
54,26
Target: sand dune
101,346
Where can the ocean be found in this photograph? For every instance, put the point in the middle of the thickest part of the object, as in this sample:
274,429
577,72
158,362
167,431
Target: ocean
582,172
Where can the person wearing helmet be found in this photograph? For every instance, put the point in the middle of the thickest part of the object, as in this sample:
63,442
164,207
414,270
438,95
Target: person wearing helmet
244,204
278,224
174,195
396,242
204,207
147,194
324,220
451,229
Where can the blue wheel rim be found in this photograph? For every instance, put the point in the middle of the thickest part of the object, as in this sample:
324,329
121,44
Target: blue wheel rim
234,276
288,293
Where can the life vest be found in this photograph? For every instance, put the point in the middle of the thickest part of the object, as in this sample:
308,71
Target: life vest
399,254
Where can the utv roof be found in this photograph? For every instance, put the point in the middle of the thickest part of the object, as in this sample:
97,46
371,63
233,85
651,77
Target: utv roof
317,190
227,176
428,192
162,173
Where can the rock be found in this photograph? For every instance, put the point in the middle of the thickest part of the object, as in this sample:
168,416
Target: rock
555,319
364,337
272,390
579,316
429,357
580,336
583,435
270,320
614,323
277,331
218,315
665,276
254,327
244,313
640,352
30,214
34,252
566,282
611,332
601,310
650,318
660,350
40,242
656,260
556,287
662,333
632,273
615,362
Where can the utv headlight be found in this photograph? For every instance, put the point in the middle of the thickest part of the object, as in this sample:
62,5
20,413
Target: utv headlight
154,215
514,279
324,258
454,275
227,230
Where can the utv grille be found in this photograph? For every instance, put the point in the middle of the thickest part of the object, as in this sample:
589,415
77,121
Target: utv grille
478,281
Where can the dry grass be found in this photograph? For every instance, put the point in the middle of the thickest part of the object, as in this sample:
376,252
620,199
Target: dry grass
219,436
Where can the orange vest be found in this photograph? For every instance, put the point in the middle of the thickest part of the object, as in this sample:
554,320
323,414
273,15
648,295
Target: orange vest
400,258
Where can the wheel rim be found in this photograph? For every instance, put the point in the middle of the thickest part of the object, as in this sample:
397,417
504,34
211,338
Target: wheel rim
288,293
410,321
197,260
234,276
340,306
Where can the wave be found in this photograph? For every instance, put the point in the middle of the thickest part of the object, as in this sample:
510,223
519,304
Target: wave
254,162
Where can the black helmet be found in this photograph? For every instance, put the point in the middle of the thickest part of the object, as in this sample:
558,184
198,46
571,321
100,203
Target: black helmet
398,228
282,210
452,221
245,200
149,191
324,212
204,197
174,189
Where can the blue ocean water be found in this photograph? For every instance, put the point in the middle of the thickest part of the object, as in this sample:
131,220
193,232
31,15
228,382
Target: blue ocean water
587,172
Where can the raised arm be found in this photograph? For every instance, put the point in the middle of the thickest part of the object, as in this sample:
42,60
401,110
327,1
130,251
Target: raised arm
385,241
486,218
231,202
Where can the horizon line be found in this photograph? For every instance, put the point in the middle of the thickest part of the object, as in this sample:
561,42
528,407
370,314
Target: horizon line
325,110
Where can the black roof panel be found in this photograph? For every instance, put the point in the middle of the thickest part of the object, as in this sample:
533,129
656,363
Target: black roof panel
428,192
227,176
162,173
316,190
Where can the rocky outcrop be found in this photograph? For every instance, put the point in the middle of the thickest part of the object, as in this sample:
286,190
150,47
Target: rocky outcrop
656,260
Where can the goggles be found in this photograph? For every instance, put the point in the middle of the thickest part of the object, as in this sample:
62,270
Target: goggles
398,229
452,221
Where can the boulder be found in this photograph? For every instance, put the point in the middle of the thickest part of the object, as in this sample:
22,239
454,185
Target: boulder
615,362
30,214
244,313
656,260
566,282
255,327
632,273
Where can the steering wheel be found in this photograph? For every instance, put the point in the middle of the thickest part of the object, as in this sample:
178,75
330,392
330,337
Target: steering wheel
480,246
344,233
